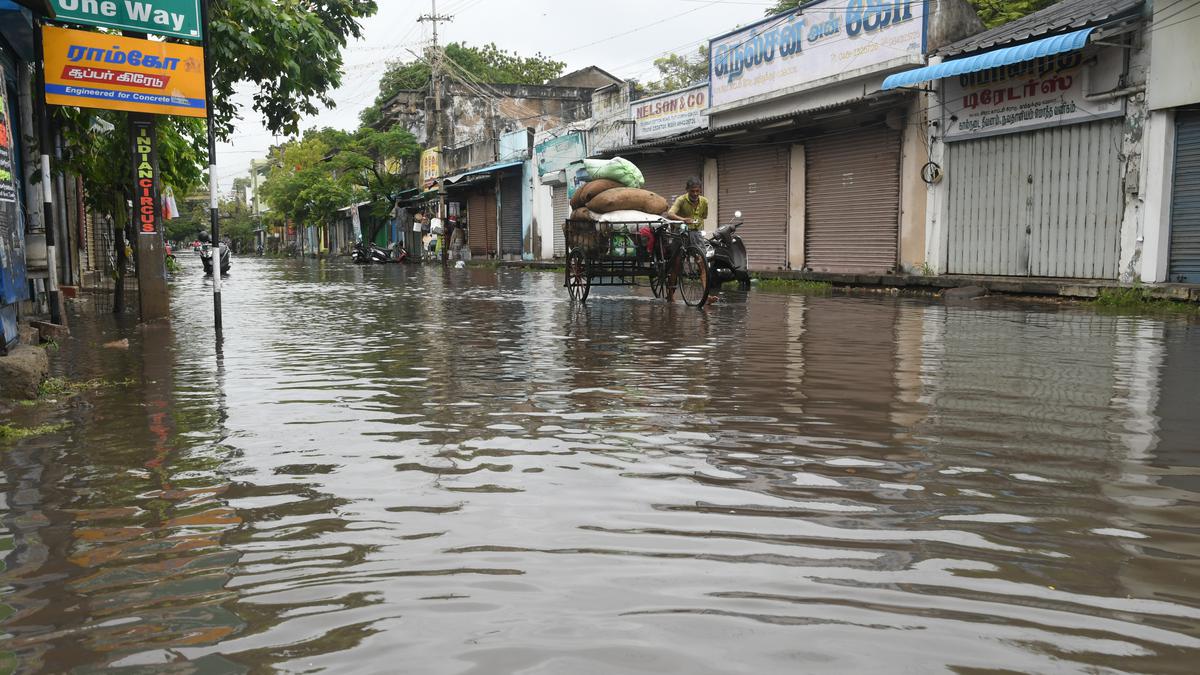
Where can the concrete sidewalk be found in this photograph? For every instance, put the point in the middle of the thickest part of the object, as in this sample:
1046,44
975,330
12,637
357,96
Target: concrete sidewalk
1038,286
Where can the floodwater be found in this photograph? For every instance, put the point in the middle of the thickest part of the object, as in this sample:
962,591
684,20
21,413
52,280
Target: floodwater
420,470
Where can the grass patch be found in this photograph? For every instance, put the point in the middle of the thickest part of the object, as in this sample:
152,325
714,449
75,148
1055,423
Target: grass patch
1138,299
173,265
795,285
10,433
59,386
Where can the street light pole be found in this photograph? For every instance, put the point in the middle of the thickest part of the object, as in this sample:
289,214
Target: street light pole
213,192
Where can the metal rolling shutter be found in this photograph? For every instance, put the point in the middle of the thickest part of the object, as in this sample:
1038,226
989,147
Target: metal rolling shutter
1185,201
510,214
852,201
481,223
562,211
1046,202
755,181
667,173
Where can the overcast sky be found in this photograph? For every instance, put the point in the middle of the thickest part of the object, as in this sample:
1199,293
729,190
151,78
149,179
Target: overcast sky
621,36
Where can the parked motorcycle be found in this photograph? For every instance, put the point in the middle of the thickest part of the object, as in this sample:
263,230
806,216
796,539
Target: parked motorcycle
206,255
365,253
726,256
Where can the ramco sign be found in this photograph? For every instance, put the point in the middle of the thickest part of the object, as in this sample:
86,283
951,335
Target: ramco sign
176,18
813,45
669,114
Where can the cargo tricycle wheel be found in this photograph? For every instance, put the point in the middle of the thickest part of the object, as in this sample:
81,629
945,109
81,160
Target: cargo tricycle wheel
578,284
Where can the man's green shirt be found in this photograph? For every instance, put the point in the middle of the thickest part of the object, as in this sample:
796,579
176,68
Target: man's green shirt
694,213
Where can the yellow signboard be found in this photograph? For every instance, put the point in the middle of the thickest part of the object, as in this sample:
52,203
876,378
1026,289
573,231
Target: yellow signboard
429,166
96,70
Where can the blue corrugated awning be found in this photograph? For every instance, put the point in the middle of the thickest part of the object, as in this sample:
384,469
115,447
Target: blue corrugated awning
993,59
487,169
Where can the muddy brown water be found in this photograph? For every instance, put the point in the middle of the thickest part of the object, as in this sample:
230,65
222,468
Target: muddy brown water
415,470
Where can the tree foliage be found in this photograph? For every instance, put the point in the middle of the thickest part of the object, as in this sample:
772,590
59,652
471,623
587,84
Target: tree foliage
291,52
676,71
329,169
992,12
488,64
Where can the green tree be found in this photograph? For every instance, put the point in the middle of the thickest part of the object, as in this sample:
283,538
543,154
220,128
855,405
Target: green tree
289,52
302,186
488,63
329,169
676,71
992,12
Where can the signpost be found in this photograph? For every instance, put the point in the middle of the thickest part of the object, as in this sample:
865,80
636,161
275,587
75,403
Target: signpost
176,18
144,78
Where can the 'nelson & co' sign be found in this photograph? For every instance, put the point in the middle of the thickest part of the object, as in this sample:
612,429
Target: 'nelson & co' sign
177,18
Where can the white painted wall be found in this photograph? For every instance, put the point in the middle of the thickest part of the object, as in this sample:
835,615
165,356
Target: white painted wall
1146,252
796,204
1175,78
710,193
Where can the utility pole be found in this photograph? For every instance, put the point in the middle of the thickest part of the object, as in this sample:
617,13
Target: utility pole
435,81
213,183
435,87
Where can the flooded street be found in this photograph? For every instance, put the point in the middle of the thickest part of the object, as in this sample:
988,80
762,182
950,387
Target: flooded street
411,469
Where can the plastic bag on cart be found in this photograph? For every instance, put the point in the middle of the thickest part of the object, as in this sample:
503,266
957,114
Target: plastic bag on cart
629,217
619,169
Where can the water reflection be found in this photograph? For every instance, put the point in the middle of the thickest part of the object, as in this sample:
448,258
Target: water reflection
460,471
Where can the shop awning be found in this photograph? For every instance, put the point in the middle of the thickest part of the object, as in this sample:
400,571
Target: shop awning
450,180
1000,57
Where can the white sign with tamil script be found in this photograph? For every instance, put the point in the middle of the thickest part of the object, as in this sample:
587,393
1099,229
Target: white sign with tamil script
1044,92
800,49
672,113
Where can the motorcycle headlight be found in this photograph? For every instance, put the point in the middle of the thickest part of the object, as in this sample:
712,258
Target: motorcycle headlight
709,253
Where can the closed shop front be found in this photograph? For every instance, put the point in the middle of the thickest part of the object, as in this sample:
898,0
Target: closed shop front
1046,202
481,222
852,201
754,180
562,211
667,173
1184,265
510,213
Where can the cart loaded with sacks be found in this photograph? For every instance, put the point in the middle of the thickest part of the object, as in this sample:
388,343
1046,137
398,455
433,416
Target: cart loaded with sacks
616,236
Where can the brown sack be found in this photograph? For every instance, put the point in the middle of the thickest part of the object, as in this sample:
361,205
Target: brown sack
582,214
588,191
628,199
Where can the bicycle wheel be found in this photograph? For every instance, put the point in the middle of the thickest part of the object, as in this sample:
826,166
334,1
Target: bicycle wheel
578,284
692,277
658,280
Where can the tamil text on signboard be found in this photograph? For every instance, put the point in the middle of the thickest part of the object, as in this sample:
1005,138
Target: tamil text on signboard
177,18
670,114
94,70
799,49
1041,93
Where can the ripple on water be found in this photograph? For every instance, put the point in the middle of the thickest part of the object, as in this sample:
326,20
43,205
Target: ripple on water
462,472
